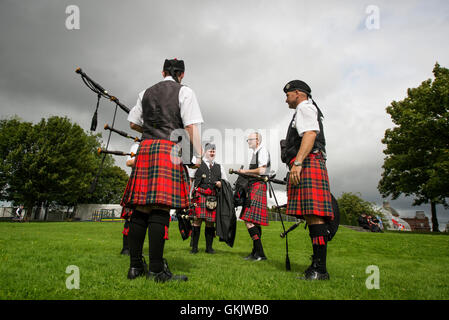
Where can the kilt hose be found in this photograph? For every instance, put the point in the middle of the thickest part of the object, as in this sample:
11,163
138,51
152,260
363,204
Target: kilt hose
200,210
255,211
312,196
158,178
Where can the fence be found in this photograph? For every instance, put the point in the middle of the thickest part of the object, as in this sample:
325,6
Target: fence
102,214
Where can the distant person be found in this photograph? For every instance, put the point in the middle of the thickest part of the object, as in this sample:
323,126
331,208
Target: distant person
254,210
363,221
19,211
205,198
373,224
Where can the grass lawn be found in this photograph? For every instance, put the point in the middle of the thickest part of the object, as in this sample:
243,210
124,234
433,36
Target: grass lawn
34,258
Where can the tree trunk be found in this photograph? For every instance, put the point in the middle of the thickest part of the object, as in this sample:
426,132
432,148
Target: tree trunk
435,227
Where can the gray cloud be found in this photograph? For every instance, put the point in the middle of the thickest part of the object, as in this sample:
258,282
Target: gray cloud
238,57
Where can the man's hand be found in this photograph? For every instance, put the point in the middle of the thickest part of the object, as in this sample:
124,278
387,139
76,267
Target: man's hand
295,175
197,163
218,184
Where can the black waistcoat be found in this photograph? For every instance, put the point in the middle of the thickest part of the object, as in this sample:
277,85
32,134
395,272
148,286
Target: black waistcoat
290,146
255,162
160,111
212,175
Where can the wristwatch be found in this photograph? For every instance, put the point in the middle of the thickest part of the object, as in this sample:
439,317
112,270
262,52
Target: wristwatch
297,163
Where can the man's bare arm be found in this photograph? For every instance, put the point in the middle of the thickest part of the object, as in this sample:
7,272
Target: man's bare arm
136,127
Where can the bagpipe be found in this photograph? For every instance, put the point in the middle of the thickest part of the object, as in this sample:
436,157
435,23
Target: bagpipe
101,92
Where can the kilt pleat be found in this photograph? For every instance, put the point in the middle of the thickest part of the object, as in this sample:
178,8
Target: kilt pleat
312,196
256,212
200,210
158,177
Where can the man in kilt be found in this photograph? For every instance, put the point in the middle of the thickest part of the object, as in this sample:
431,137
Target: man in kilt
254,210
204,196
308,189
159,181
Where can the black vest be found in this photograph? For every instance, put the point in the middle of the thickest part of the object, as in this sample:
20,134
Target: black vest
212,175
290,146
255,162
160,111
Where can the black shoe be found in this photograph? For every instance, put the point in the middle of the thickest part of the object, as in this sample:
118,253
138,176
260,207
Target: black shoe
125,251
165,275
249,257
259,258
194,251
210,251
315,275
135,273
312,267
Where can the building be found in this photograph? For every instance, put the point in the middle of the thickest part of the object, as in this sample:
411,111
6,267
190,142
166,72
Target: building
419,223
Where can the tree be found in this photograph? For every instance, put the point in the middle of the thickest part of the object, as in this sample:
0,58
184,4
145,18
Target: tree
351,206
417,149
53,161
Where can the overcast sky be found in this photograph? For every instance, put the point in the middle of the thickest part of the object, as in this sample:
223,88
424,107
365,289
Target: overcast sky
357,57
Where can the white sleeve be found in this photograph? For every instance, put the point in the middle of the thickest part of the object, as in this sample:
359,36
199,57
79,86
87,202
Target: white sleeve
189,107
223,173
136,113
263,157
307,119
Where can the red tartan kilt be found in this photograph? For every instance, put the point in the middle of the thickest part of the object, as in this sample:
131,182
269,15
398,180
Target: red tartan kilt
158,177
312,196
200,210
257,212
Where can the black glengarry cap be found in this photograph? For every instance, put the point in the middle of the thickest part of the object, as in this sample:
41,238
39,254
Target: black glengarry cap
177,65
298,85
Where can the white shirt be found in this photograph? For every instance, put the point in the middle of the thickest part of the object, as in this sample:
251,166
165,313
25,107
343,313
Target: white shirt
306,118
188,105
209,163
263,156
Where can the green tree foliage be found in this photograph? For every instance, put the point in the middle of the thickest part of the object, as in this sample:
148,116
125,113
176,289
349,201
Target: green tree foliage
54,161
352,205
417,149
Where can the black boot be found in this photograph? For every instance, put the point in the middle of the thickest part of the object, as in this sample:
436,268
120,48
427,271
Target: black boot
195,239
209,233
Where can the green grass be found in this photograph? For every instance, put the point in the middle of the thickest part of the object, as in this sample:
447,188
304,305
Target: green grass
34,258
